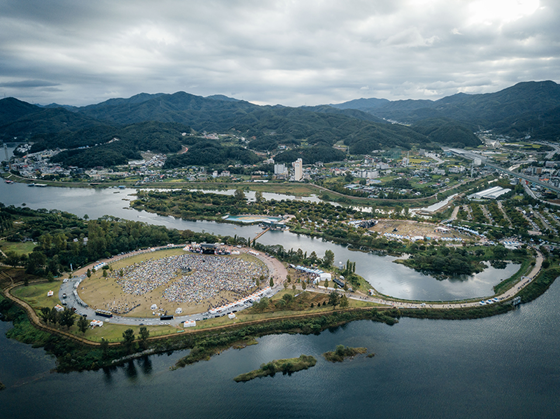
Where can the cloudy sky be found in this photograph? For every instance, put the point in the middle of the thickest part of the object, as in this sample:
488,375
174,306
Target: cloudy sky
292,52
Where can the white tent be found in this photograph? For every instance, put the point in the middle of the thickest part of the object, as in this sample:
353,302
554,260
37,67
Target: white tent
231,315
189,323
153,307
179,310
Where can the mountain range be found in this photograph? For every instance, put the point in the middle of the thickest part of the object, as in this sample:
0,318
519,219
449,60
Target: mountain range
160,122
527,108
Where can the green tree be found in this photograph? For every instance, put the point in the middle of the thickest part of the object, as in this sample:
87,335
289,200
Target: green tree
303,286
144,335
271,283
12,259
88,273
334,299
35,262
45,314
104,347
54,316
328,259
239,195
259,197
343,301
83,324
128,339
500,252
67,318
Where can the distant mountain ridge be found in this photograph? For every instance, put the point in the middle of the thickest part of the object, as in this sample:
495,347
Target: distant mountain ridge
525,107
158,120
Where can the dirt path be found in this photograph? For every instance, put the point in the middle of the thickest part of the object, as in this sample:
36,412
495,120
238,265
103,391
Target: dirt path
454,213
504,213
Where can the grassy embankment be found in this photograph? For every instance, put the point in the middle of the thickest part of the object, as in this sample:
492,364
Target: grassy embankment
506,284
285,366
342,352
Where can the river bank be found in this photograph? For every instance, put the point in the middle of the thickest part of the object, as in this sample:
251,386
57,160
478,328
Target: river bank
207,343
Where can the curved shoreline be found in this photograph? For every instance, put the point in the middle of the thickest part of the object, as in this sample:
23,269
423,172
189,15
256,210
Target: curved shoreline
385,304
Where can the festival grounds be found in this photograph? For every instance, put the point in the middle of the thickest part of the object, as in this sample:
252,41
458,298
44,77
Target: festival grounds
108,294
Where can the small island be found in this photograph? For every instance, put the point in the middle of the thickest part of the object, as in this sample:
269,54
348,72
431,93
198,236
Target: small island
286,366
342,352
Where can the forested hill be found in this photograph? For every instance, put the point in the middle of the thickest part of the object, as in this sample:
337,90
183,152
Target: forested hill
526,108
157,121
269,126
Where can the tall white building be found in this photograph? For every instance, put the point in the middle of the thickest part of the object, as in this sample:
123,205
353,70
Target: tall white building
298,169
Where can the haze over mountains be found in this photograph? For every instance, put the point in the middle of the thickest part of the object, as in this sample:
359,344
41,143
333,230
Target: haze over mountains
157,122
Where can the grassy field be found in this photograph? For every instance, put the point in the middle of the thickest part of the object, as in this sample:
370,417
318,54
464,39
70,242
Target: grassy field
36,294
17,247
114,332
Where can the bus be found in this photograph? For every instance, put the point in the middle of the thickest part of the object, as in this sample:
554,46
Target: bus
104,313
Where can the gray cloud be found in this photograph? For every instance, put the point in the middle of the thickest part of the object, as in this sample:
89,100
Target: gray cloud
294,53
28,84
